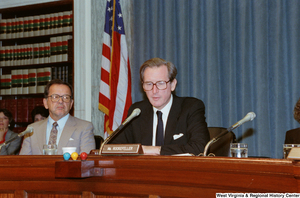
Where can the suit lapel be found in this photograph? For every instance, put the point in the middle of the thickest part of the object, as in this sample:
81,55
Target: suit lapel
147,126
67,132
172,120
40,131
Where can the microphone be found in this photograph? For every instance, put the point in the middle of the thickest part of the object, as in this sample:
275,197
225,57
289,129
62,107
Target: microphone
249,117
136,112
28,130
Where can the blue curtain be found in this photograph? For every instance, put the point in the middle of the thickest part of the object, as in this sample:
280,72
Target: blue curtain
237,56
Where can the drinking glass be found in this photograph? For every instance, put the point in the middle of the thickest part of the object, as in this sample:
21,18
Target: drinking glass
239,150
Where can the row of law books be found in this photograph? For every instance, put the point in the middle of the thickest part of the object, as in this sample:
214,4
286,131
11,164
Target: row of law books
38,25
21,108
59,49
32,81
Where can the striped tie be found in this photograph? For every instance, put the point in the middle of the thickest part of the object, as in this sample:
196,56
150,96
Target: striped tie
53,134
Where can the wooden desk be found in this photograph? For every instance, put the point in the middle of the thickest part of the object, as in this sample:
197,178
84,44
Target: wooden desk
147,176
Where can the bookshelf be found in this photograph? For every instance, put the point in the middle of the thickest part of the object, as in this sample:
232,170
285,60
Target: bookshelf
36,45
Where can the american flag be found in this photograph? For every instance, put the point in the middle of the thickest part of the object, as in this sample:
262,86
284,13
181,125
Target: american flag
115,85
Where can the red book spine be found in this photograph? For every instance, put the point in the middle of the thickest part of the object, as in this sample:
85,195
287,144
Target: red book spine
25,111
19,110
31,105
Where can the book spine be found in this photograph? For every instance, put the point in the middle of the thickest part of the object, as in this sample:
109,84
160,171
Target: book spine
8,28
36,53
40,80
14,82
42,24
60,22
2,84
8,84
19,81
25,89
59,49
21,27
47,24
41,53
30,26
66,21
15,55
25,111
3,27
13,28
53,49
31,105
2,56
20,103
47,75
26,26
47,52
36,25
32,81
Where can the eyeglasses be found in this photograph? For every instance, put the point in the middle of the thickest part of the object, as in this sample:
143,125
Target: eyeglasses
56,97
161,85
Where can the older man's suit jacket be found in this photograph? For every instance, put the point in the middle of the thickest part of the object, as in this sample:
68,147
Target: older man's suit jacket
292,136
186,129
12,148
76,133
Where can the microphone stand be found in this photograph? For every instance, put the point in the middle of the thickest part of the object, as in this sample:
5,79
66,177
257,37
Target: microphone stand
110,137
8,141
216,139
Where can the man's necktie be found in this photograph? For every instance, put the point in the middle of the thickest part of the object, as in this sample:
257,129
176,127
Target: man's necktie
159,130
53,134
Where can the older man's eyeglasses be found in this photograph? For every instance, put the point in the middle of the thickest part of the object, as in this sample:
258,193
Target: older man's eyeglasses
56,97
161,85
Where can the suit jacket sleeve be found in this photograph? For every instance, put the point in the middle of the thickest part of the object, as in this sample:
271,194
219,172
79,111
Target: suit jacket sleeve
186,117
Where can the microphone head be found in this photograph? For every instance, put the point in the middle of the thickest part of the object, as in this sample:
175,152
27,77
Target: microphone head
136,112
251,115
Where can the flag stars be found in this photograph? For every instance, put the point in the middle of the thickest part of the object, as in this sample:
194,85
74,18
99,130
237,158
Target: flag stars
119,27
120,15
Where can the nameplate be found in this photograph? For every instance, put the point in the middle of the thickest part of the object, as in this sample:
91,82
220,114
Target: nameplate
294,153
122,149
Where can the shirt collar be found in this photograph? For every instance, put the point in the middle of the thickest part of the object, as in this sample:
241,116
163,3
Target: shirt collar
61,122
166,109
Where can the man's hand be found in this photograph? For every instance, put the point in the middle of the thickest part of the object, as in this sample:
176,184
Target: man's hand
151,150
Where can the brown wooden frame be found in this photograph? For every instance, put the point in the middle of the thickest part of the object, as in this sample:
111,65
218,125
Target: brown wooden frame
144,176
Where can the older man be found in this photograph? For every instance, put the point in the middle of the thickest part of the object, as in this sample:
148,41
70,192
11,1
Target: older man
167,124
60,128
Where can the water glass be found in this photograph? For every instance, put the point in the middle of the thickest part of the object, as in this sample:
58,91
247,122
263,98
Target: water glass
287,148
50,149
239,150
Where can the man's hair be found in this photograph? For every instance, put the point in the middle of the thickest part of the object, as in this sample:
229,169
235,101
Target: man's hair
157,62
297,111
56,82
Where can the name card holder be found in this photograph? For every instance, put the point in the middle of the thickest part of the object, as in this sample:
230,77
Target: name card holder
122,149
294,153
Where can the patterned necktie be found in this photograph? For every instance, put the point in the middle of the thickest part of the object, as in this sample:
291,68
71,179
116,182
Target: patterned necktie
159,130
53,134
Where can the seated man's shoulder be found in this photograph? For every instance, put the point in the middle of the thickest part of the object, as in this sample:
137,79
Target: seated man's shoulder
80,121
297,130
190,101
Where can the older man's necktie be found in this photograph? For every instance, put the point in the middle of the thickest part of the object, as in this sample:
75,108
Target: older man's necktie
159,130
53,134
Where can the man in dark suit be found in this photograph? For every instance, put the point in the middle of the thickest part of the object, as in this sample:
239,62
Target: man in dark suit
178,127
